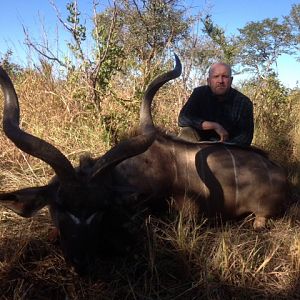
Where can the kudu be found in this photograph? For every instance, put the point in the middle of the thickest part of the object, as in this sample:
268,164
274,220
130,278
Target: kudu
216,178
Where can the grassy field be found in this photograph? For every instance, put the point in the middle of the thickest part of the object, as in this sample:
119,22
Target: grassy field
179,257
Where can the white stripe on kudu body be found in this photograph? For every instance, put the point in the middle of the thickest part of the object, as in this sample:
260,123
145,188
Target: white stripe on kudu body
187,168
173,148
236,179
205,189
263,162
267,171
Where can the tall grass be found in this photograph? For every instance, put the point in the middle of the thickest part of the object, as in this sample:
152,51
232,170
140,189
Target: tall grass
180,258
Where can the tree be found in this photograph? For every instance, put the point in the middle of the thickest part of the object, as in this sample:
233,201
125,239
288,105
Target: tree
108,52
149,27
13,69
228,47
93,68
262,43
293,20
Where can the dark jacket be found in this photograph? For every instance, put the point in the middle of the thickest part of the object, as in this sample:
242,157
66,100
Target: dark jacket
235,114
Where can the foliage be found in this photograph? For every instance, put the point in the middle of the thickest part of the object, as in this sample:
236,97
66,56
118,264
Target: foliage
228,46
262,43
273,106
293,19
78,30
148,29
106,54
13,69
114,53
294,137
93,69
142,31
273,118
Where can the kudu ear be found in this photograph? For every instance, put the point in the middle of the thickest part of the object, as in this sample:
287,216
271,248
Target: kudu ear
122,151
26,202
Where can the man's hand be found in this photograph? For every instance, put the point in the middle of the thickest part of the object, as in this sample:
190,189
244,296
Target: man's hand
219,129
223,134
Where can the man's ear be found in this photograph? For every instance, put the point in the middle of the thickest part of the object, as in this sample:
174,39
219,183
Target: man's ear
26,202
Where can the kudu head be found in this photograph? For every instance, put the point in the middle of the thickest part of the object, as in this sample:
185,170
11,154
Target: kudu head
80,199
77,197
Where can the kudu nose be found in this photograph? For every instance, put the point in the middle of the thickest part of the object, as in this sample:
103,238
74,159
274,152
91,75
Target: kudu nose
81,266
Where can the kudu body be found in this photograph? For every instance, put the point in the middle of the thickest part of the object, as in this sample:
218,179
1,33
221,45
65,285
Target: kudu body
217,179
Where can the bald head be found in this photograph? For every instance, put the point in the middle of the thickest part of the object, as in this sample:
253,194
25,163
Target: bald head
216,66
219,79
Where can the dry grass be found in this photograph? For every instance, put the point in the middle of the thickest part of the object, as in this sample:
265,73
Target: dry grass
181,258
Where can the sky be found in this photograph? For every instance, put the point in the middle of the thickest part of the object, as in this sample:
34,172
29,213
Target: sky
228,14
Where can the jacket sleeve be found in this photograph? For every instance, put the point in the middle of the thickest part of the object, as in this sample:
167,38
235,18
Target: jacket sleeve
189,114
245,126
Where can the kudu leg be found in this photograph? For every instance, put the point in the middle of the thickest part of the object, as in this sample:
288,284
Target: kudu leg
259,223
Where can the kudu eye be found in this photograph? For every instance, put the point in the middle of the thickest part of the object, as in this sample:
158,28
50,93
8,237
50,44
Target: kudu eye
75,219
98,215
90,218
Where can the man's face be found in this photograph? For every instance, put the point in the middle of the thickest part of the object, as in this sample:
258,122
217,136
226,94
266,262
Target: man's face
219,79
